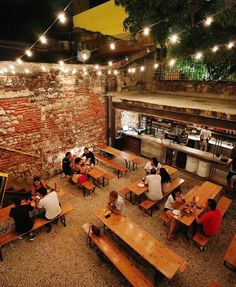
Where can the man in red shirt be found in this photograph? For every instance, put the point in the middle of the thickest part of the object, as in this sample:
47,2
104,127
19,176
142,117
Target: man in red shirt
211,220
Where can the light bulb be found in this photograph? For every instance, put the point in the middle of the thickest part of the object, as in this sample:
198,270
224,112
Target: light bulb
133,70
19,61
142,68
129,70
112,46
115,72
110,63
146,31
97,67
13,72
27,71
174,38
99,73
43,39
126,59
215,48
11,67
74,71
208,21
156,65
230,45
109,72
198,55
43,68
62,17
28,53
61,63
84,69
85,73
84,56
148,50
172,62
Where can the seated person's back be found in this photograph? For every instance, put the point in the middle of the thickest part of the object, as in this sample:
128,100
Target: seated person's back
66,164
153,181
21,215
165,180
50,203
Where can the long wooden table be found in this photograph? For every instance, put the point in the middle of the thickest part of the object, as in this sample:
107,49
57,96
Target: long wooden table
129,158
96,173
203,192
161,257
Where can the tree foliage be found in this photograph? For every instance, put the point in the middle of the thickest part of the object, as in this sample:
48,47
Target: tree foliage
185,15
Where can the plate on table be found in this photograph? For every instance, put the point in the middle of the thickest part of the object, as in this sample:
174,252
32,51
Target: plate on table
140,184
176,212
187,211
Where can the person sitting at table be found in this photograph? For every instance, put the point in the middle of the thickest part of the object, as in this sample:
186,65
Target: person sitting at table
210,222
37,183
116,203
175,200
79,167
22,219
89,156
49,206
165,180
153,180
153,163
67,164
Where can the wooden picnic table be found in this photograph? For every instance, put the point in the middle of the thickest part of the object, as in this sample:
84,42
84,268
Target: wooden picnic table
161,257
137,190
118,153
203,192
96,173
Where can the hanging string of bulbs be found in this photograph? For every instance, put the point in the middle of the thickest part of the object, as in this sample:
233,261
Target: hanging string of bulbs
173,39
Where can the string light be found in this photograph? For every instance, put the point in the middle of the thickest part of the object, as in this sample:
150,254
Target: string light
28,53
61,63
129,70
215,48
148,50
99,73
97,67
110,63
133,70
43,68
208,21
62,18
27,71
172,62
13,72
115,72
84,56
198,55
174,38
19,61
74,71
112,46
84,69
146,31
85,73
230,45
11,67
109,72
156,65
142,68
126,59
5,70
43,39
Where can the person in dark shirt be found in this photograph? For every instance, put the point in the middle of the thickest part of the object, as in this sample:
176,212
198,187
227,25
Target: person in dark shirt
232,166
21,215
183,137
66,164
89,155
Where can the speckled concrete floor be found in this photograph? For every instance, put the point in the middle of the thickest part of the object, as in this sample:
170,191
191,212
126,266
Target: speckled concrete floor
61,258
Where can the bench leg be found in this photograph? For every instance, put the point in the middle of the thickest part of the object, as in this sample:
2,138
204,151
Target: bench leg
1,257
158,277
63,220
118,173
84,191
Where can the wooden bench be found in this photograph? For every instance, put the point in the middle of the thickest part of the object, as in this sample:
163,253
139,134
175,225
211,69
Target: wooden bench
118,259
135,163
201,239
88,186
106,178
125,191
223,204
148,204
121,170
12,235
230,255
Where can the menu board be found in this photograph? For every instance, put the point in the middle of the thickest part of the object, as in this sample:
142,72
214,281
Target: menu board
3,185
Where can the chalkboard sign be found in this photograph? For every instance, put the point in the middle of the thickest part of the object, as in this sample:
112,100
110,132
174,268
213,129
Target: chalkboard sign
3,185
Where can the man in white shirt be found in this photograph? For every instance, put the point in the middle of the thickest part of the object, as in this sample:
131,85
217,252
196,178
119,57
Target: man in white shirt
153,181
49,204
205,136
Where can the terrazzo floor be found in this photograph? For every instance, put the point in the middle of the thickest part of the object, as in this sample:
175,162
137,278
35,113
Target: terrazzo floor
61,258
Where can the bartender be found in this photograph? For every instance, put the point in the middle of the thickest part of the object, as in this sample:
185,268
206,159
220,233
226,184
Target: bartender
181,157
205,136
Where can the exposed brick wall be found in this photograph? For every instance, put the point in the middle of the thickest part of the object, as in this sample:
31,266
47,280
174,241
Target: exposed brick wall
48,114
